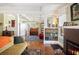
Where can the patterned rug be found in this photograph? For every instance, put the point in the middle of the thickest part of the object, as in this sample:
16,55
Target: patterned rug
32,38
58,50
32,52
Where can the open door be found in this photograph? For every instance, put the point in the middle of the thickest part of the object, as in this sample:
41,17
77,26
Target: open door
23,29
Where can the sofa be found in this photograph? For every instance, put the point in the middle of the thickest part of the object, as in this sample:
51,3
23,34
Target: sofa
12,49
5,43
16,49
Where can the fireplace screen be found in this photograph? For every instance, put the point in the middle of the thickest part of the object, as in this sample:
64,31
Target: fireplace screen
72,48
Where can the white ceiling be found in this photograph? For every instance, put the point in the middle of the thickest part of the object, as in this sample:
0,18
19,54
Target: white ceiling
27,6
29,9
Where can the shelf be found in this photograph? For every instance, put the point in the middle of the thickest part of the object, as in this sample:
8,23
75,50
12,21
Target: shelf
51,42
72,27
51,27
51,34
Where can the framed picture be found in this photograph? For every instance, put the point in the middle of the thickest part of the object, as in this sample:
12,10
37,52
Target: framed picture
13,23
75,11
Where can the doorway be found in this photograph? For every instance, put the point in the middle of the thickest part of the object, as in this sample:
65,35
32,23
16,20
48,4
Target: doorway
23,29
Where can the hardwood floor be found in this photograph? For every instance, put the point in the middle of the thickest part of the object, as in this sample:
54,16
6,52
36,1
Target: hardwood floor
46,49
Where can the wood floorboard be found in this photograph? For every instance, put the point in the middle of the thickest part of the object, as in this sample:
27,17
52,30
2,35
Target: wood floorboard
46,49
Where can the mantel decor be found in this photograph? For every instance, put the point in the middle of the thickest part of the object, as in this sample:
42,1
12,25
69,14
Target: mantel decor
75,12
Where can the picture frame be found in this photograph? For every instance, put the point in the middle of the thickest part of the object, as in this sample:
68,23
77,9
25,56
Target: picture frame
75,12
12,23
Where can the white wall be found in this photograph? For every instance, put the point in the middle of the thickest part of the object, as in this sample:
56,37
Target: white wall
49,11
65,11
29,10
46,12
1,21
63,15
6,19
62,12
68,12
13,12
62,19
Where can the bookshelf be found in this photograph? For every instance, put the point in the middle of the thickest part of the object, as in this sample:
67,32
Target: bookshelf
51,34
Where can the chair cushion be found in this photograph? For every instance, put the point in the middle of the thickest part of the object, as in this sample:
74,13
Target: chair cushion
18,39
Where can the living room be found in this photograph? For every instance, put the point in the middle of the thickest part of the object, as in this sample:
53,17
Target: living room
38,28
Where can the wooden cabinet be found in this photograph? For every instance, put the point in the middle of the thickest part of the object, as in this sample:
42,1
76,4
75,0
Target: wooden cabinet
8,33
7,20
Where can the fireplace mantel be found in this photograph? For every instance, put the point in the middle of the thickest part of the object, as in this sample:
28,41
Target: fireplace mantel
71,27
71,35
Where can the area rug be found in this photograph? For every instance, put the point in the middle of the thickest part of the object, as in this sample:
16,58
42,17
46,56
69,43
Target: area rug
56,46
58,50
32,52
32,38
